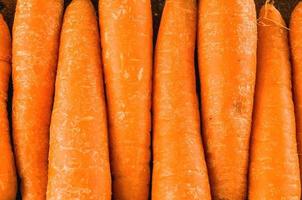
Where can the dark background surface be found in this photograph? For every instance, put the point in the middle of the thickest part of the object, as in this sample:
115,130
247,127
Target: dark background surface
285,6
7,7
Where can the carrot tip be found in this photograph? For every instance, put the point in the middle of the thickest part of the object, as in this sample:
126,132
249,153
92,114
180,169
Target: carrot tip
269,13
272,2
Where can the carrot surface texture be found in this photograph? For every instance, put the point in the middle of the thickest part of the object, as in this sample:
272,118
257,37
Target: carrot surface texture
126,36
35,46
8,179
179,168
274,166
227,43
78,157
296,48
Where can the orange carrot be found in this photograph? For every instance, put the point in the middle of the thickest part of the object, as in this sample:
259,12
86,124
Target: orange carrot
227,40
126,35
78,156
274,167
35,45
179,170
296,47
8,180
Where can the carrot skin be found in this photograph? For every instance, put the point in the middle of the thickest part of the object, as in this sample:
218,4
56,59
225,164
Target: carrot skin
8,179
179,168
78,157
296,48
126,37
35,46
227,42
274,166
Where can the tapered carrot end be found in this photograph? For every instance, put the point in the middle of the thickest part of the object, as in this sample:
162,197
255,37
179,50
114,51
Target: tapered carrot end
299,5
296,29
2,22
297,12
5,40
80,5
80,2
269,16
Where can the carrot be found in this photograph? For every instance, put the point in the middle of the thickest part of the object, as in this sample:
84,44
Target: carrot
8,180
78,155
227,40
35,45
296,47
274,167
126,36
179,170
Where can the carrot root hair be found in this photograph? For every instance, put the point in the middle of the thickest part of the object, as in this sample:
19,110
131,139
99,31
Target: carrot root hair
261,23
276,23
